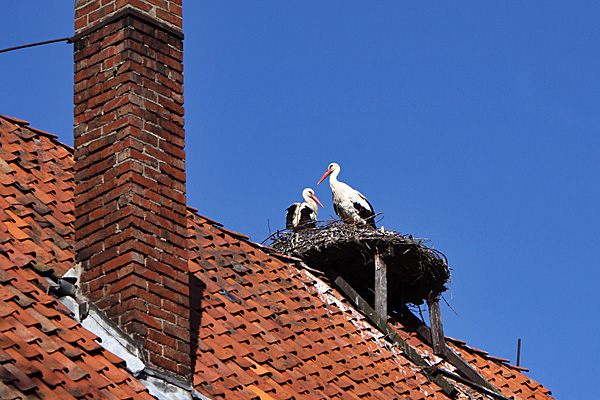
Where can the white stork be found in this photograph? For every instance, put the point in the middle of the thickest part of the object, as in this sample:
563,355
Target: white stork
303,215
349,204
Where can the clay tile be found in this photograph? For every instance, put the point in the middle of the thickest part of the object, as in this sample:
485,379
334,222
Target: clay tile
245,378
204,374
224,354
266,324
113,359
214,390
4,356
22,382
252,392
202,346
253,329
243,362
24,349
114,374
48,377
285,362
260,357
270,338
7,309
324,362
333,390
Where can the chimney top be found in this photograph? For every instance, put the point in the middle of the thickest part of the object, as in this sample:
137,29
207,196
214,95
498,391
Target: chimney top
91,13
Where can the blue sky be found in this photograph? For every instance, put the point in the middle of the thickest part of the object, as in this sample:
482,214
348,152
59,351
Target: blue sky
474,124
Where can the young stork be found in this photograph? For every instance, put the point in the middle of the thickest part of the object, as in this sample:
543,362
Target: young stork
349,204
303,215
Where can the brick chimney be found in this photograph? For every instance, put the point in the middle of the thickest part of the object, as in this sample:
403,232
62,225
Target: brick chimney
130,199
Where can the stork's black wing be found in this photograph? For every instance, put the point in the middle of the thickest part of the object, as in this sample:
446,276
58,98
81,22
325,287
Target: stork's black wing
289,216
306,218
366,214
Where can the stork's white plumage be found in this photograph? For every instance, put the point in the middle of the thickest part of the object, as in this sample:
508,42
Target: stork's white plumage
303,215
349,204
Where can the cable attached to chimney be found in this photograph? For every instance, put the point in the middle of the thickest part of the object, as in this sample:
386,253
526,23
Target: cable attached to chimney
69,40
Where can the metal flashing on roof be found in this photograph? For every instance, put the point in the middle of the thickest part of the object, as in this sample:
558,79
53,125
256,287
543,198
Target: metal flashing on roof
112,338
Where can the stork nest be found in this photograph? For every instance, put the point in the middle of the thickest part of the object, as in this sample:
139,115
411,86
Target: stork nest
415,272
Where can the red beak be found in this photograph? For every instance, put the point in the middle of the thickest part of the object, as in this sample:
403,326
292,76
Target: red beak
317,200
325,175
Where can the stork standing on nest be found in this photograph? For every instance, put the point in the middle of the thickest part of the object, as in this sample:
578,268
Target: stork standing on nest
349,204
303,215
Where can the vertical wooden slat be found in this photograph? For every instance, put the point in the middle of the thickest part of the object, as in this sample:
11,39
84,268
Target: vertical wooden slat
437,330
381,289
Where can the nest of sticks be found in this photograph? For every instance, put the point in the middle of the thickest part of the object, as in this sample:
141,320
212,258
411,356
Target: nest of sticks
415,271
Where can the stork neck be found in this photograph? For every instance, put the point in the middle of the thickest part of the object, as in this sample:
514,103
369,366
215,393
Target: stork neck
333,177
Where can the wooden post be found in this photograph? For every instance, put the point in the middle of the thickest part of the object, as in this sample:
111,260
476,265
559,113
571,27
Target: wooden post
381,290
437,330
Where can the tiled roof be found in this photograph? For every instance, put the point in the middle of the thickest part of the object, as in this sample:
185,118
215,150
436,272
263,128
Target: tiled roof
263,327
36,197
44,352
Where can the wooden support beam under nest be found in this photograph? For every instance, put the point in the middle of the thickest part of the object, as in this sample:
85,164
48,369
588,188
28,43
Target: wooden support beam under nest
381,287
437,330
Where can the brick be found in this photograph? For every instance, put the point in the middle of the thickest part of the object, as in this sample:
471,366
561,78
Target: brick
162,314
87,72
122,307
175,307
133,315
174,331
101,12
104,53
142,295
136,329
178,356
168,17
123,192
142,5
163,362
151,346
126,167
84,50
83,96
175,8
94,285
80,23
117,261
172,150
129,280
113,36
